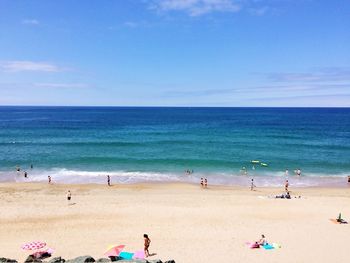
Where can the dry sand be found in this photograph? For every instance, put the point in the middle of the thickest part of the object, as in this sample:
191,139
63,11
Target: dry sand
184,222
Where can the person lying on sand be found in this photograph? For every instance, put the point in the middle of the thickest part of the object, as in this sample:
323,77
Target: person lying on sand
286,196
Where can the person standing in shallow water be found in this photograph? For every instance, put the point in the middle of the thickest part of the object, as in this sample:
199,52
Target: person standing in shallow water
146,244
49,178
202,183
108,180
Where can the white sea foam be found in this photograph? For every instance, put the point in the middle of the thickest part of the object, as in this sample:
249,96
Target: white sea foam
276,179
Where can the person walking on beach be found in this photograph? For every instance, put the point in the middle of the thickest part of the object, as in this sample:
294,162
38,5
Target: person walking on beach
69,196
146,244
108,180
49,177
202,183
252,185
286,186
205,183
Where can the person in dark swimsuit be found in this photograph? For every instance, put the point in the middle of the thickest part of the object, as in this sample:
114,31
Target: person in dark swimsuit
146,244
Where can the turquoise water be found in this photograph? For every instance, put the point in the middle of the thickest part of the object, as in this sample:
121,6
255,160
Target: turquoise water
83,144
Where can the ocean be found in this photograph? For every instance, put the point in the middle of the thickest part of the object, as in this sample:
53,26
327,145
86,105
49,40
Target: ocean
158,144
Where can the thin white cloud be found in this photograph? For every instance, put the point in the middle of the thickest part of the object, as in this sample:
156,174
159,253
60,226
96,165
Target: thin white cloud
196,7
321,75
20,65
32,22
61,85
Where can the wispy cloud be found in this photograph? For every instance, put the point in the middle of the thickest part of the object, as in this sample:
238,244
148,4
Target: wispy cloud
196,7
32,22
18,66
61,85
332,74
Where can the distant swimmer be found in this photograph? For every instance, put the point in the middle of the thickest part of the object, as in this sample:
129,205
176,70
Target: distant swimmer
298,172
252,185
18,168
286,172
49,177
31,166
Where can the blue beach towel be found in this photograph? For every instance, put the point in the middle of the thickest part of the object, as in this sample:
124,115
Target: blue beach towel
126,255
268,246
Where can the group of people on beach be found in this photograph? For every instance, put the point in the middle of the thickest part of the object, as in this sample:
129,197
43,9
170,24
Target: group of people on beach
204,182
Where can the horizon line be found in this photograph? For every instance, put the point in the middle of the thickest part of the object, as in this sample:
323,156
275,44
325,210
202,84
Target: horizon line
129,106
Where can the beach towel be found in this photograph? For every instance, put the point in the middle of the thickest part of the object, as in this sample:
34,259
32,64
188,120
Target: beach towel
139,255
268,246
126,255
275,245
252,245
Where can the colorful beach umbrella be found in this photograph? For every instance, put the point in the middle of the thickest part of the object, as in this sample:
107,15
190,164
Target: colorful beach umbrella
114,251
33,245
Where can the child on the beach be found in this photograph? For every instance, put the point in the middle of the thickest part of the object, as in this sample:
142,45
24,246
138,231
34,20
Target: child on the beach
147,243
69,196
108,180
286,186
252,185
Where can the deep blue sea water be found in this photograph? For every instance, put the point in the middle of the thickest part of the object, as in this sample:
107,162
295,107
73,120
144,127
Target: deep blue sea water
132,144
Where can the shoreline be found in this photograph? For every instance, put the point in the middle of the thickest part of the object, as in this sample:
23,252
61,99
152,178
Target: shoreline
179,183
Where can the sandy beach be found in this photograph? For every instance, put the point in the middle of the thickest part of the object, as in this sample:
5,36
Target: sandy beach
184,222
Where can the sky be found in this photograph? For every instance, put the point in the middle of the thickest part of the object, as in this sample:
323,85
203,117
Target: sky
225,53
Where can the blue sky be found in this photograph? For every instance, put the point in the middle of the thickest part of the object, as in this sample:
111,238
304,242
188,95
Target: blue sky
175,52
